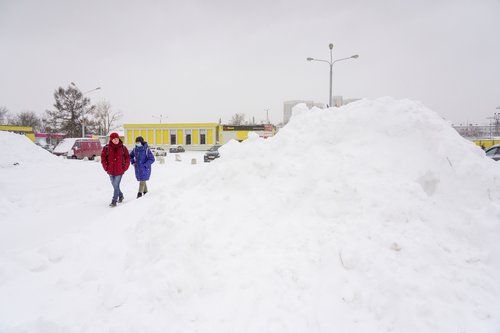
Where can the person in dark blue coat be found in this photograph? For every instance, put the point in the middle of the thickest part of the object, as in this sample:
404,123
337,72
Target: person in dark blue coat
141,158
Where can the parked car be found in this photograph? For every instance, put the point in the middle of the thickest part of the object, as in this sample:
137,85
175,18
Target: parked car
47,147
158,151
78,148
178,149
212,153
494,152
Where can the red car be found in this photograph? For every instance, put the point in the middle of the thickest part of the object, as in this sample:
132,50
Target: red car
78,148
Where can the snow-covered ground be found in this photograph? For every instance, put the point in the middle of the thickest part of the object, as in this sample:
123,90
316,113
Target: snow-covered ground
376,217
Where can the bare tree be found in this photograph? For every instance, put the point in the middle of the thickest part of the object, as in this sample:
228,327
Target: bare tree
106,119
3,115
237,119
28,118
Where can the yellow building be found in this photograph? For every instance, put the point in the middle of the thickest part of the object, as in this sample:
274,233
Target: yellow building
23,130
487,143
195,136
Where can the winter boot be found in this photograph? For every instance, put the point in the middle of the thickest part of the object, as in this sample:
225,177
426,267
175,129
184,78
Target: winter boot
139,195
144,193
120,199
112,204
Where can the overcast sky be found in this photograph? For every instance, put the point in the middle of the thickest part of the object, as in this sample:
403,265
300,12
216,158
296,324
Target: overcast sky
198,61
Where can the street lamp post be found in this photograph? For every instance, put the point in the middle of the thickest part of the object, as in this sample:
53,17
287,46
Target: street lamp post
331,62
83,110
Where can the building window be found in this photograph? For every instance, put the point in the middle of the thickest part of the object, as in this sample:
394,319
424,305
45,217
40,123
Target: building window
187,134
173,137
203,136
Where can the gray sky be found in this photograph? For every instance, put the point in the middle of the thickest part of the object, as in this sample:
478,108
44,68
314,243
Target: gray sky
197,61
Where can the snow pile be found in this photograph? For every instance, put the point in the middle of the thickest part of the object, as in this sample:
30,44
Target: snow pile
373,217
18,150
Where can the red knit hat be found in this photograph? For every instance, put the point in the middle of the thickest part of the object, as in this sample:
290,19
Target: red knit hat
114,135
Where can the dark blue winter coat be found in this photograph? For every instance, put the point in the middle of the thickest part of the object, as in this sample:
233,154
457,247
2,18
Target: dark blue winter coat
142,158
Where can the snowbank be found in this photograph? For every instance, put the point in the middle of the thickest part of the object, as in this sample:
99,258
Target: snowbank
16,149
373,217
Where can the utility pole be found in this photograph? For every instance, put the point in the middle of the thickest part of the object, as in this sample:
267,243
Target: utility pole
160,117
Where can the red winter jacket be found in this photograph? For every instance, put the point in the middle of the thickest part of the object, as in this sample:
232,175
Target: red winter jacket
115,158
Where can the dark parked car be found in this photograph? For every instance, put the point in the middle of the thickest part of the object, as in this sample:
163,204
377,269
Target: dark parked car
494,152
47,147
212,153
178,149
158,151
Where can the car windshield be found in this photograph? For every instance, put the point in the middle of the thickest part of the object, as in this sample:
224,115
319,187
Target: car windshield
491,152
214,148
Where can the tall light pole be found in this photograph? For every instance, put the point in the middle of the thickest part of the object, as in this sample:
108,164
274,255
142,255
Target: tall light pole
331,62
83,110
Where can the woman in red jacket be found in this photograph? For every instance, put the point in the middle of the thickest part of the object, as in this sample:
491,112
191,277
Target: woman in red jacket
115,160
